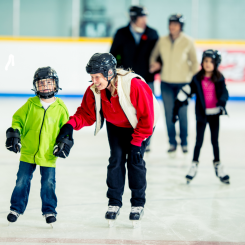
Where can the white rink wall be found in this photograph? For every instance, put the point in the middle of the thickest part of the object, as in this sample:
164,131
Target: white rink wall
68,59
20,59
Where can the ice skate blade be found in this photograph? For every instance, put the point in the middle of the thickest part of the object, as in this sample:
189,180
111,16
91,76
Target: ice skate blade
136,224
225,182
9,223
188,181
51,225
111,223
172,154
185,155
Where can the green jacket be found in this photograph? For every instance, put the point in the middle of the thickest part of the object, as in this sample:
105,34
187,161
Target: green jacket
39,129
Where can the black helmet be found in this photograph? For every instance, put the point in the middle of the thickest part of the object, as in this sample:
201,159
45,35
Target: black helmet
177,18
136,11
214,54
102,63
45,73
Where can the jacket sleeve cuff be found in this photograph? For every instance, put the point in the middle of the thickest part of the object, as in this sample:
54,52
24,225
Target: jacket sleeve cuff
136,142
16,127
72,122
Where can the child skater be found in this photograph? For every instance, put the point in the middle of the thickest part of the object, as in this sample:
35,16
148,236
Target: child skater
36,125
211,97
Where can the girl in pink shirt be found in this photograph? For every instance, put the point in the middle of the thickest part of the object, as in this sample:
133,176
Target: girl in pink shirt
211,97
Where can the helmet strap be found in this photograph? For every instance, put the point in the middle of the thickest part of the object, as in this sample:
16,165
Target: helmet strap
109,81
47,95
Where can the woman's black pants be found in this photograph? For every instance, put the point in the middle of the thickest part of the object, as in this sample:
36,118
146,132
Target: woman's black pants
213,121
119,141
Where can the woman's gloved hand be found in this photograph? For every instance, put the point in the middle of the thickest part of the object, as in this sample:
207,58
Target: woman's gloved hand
66,130
64,142
135,154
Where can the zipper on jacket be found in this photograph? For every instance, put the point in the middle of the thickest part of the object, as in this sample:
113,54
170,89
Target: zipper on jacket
171,54
40,135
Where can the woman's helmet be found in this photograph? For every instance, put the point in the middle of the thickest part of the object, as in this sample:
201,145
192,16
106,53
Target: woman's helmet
102,63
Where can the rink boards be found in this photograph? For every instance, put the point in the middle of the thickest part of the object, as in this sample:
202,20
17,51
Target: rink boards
20,57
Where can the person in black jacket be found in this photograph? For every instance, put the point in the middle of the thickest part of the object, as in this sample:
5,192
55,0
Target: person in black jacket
133,44
211,97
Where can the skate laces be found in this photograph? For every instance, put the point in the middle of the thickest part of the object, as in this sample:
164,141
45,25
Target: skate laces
192,169
14,213
48,215
172,148
113,209
136,209
184,148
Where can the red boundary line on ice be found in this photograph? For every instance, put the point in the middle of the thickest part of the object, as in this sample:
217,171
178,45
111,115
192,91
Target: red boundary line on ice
112,241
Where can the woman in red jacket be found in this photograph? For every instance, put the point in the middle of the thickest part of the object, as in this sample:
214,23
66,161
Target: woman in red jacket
131,110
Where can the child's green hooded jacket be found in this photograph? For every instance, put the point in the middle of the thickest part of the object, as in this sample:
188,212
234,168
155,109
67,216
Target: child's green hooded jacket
39,129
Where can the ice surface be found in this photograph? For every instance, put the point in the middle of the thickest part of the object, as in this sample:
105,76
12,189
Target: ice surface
203,212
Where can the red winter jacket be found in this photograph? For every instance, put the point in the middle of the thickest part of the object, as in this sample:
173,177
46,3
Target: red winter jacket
141,98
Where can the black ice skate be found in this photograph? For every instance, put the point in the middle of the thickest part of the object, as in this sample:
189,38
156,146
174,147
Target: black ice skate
136,215
111,214
219,171
50,219
172,151
192,172
12,216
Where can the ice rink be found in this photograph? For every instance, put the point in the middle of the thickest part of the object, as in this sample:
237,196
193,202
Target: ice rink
206,212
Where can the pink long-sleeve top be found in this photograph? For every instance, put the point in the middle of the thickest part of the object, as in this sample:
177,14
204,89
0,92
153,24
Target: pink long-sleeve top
210,97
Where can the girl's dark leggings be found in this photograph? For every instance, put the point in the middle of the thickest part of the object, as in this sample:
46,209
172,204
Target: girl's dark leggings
213,121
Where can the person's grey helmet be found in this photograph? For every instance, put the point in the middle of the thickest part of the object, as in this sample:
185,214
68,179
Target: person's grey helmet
177,18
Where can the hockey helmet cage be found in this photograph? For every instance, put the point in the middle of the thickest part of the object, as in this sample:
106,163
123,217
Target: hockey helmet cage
46,73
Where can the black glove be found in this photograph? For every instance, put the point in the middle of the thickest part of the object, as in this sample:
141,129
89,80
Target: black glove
177,105
64,141
13,140
221,103
135,154
175,117
62,149
66,130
